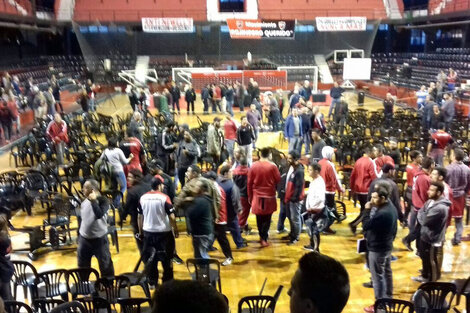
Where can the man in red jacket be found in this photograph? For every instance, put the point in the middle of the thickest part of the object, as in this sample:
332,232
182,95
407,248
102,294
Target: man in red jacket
294,195
261,186
364,172
438,143
230,134
411,170
332,182
382,158
57,132
419,196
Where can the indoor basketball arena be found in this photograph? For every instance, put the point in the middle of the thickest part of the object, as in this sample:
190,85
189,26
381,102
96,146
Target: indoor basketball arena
215,156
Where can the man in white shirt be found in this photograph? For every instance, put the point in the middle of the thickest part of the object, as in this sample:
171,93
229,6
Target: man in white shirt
314,204
156,220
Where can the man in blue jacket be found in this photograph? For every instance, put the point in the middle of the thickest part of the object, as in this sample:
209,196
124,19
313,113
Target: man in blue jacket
293,131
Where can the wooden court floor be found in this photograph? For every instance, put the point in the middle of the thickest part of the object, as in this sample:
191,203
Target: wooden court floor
252,264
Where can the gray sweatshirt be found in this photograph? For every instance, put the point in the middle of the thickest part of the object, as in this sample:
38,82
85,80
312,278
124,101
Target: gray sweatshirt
433,220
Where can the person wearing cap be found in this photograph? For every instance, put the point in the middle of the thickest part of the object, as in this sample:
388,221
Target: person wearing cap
157,229
215,141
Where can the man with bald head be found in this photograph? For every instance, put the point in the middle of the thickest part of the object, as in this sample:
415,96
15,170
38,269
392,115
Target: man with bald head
57,132
136,127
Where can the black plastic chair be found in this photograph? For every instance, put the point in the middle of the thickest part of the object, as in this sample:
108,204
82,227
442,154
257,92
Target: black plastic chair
133,305
463,287
113,288
46,305
24,275
95,304
69,307
51,284
393,306
79,282
17,307
204,272
256,304
434,297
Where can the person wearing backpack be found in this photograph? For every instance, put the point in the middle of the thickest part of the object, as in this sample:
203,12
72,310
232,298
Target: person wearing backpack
115,159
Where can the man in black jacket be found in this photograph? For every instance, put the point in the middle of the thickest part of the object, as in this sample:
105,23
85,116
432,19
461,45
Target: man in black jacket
175,95
433,220
380,225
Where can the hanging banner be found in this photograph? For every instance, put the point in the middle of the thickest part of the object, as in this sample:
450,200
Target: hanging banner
167,25
341,24
257,29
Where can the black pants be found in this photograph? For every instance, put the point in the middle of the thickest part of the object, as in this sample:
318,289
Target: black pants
7,125
191,105
58,105
158,247
263,222
177,104
182,175
206,105
331,203
135,230
5,291
408,203
388,120
362,198
220,233
98,247
275,117
431,258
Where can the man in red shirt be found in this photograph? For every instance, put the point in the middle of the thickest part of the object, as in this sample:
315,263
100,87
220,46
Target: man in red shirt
439,142
382,158
261,186
411,170
419,196
364,172
230,134
332,182
57,132
133,145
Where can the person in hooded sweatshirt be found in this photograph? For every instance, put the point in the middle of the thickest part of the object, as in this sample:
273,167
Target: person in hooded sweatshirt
433,220
240,177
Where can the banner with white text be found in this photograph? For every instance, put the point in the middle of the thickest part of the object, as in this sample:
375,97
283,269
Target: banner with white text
341,24
167,25
261,29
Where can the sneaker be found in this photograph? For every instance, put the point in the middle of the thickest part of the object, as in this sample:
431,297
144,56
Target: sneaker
407,244
247,230
177,260
309,248
264,244
353,230
292,242
368,284
227,261
420,279
329,231
466,238
281,231
369,309
455,242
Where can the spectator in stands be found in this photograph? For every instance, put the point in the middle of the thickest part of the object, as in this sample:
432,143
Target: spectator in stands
215,142
388,110
421,182
340,115
93,239
364,172
157,226
306,129
433,218
274,114
6,119
136,126
263,178
50,101
318,144
229,99
336,92
421,97
380,227
451,79
314,204
178,296
186,155
448,110
293,131
294,196
438,144
116,158
306,91
57,132
254,118
83,101
436,118
320,284
190,97
176,95
458,178
245,138
6,267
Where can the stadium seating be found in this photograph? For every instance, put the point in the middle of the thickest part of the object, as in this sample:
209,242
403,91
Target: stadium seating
436,7
16,7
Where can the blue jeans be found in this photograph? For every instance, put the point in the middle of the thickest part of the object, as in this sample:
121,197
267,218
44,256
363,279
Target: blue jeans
307,142
91,104
333,105
282,216
229,144
256,131
295,219
229,107
201,245
381,272
232,225
295,144
121,180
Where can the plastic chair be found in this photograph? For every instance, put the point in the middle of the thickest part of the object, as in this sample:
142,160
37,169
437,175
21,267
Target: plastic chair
132,305
393,306
434,297
256,304
113,288
17,307
463,287
51,284
95,304
24,275
79,282
69,307
203,271
46,305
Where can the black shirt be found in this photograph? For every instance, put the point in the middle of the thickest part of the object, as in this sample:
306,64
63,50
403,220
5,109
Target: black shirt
381,228
200,216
